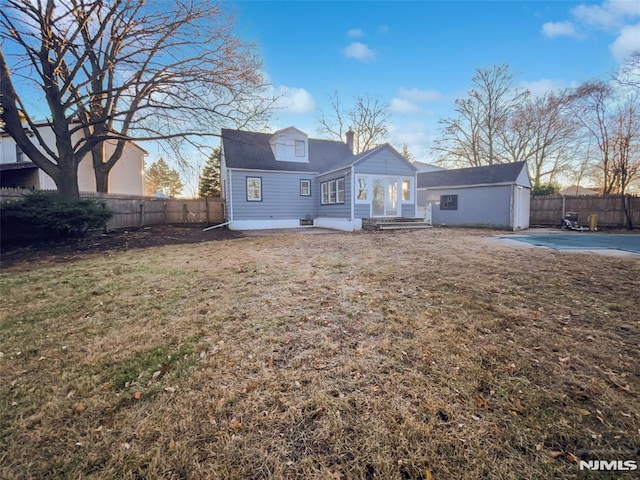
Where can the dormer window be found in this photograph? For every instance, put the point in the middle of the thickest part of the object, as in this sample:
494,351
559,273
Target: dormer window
290,145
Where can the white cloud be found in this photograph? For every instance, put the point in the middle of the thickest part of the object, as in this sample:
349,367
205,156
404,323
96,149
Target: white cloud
294,100
383,29
355,33
417,136
618,17
610,14
627,42
359,51
402,106
408,100
542,86
560,29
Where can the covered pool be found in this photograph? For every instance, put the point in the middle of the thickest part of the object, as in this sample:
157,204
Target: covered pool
583,241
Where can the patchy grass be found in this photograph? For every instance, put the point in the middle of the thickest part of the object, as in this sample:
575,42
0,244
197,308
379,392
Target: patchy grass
431,354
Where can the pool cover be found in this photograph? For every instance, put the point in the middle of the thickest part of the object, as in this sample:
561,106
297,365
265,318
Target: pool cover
583,241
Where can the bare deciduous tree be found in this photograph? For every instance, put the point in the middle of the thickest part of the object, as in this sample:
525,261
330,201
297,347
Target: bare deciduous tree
629,73
119,70
367,117
614,124
541,132
473,137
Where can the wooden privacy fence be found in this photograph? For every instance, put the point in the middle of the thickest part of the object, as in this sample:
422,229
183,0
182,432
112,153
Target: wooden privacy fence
549,210
129,211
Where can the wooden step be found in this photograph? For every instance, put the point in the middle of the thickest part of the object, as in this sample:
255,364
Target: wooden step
403,226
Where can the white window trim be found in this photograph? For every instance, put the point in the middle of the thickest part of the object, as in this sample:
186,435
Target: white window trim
331,186
411,189
368,180
332,189
308,183
259,190
338,190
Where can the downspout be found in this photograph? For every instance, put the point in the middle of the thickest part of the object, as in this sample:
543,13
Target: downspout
415,194
230,183
353,201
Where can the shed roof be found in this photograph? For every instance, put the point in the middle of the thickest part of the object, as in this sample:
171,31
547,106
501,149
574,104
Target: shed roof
252,150
502,173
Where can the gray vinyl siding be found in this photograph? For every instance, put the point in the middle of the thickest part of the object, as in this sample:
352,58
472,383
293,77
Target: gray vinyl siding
362,210
338,210
477,206
408,210
385,162
523,179
281,197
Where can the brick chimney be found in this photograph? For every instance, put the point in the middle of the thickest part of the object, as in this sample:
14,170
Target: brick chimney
350,133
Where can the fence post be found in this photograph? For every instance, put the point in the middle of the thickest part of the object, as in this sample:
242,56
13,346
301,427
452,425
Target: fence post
206,207
142,214
164,212
184,213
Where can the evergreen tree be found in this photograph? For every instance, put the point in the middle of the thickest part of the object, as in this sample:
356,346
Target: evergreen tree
209,183
407,154
160,178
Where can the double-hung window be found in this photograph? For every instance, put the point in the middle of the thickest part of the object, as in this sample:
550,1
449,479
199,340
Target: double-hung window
332,192
254,189
340,190
305,188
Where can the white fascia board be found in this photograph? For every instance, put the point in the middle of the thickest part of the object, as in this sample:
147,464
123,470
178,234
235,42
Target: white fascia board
297,172
322,174
444,187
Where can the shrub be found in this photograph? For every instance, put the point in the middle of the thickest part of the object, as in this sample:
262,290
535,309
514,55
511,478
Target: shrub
545,189
45,217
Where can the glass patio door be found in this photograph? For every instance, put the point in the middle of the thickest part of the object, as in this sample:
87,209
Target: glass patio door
391,200
385,198
378,203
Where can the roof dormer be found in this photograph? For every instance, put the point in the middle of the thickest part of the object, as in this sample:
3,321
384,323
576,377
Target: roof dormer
290,145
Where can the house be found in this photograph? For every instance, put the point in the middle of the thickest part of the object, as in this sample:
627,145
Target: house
494,196
426,167
578,190
286,179
16,170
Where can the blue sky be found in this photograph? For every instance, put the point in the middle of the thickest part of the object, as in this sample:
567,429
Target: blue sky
420,56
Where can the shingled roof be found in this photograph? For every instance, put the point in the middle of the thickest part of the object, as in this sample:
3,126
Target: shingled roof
251,150
465,177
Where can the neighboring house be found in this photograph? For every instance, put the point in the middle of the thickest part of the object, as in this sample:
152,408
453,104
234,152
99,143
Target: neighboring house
494,196
426,167
286,179
578,190
16,170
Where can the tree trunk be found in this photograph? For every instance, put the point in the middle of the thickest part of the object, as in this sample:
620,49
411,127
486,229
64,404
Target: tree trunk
102,179
100,168
67,182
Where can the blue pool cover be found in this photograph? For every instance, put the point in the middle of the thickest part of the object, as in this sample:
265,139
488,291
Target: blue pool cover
583,241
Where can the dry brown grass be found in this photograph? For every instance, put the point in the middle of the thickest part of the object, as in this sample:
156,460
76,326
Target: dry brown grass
430,354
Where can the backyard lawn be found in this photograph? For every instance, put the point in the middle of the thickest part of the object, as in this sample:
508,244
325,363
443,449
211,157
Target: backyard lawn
432,354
